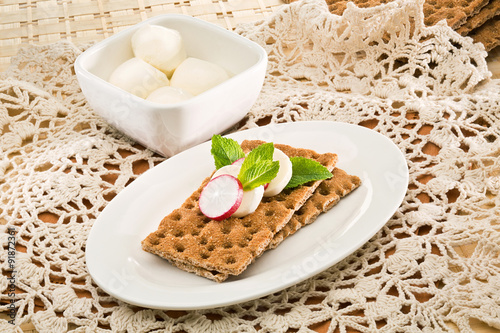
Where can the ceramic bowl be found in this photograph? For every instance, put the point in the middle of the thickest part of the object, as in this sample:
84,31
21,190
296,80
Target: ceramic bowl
171,128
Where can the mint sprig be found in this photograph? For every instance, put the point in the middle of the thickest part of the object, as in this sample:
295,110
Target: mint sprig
258,168
305,170
225,151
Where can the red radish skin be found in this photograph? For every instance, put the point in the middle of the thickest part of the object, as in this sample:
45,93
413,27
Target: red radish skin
221,197
238,162
251,199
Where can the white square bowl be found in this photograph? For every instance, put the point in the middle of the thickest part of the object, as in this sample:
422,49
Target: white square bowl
171,128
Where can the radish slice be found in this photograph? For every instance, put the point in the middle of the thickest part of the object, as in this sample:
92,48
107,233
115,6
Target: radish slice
251,198
221,197
238,162
284,174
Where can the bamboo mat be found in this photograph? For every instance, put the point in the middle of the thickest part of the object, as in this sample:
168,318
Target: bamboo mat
27,22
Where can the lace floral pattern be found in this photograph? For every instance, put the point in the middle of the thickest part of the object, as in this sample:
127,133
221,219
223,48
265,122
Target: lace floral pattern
423,87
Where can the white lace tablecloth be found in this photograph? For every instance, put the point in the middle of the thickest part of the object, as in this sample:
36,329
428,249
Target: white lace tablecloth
423,87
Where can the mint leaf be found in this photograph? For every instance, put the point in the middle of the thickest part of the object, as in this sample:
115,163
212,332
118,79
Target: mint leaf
258,168
258,174
261,153
225,151
305,170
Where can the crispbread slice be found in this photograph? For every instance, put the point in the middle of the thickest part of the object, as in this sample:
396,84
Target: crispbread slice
189,238
212,275
488,33
478,19
489,11
327,195
455,12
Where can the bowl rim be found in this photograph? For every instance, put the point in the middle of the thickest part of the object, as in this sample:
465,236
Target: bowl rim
80,70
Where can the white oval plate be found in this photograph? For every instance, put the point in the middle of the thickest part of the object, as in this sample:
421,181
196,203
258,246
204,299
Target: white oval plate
120,267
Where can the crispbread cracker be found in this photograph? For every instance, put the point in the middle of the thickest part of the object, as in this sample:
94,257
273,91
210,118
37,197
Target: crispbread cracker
212,275
455,12
489,11
478,19
187,237
488,33
327,195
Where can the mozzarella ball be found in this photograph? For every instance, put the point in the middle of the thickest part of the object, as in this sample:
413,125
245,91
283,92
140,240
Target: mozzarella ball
138,77
168,95
159,46
196,76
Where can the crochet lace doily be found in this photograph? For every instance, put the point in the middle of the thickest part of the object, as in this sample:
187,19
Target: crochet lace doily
426,88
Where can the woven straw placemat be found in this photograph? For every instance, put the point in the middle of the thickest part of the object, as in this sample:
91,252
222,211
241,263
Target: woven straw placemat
25,22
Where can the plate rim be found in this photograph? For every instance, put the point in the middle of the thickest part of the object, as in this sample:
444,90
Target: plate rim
218,302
